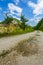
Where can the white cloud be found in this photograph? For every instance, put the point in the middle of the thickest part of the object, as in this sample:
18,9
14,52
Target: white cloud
35,19
30,24
0,21
16,2
37,8
0,8
16,17
33,5
14,9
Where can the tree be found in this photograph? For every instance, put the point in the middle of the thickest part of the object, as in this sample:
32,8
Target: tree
23,22
39,26
7,20
6,15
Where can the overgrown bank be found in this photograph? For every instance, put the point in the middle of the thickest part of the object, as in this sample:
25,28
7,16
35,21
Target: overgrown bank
12,26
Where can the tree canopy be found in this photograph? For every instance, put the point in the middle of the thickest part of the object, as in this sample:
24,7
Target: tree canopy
7,20
23,22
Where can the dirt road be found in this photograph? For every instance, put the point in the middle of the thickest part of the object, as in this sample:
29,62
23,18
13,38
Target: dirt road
8,42
36,59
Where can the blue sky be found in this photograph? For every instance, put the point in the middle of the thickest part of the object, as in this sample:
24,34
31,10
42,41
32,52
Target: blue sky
31,9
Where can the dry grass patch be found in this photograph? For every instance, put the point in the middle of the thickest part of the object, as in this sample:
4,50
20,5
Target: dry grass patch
4,53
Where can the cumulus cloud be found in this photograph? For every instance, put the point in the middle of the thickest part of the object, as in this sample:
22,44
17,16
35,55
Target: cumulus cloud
16,2
16,17
14,9
33,5
37,8
35,19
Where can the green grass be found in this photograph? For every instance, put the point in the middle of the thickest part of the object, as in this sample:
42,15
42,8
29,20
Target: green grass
4,53
16,32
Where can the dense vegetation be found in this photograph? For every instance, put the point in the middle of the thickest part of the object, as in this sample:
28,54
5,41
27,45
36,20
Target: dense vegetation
7,20
39,26
20,28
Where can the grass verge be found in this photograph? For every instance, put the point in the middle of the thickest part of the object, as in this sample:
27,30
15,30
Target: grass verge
14,33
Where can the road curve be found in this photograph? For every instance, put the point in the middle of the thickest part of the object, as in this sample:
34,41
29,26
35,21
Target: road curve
8,42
